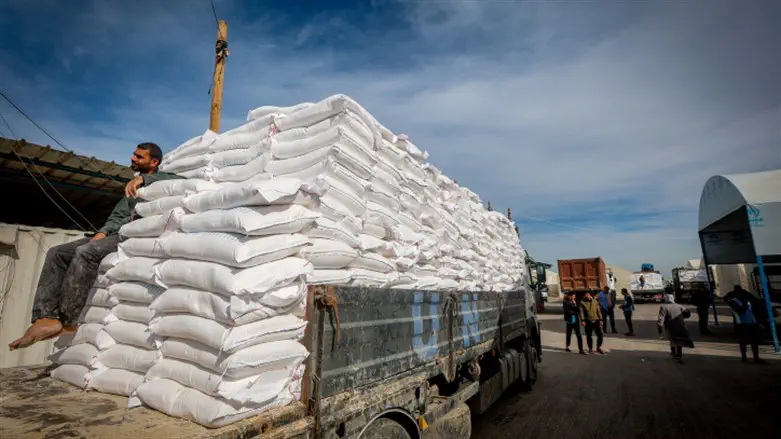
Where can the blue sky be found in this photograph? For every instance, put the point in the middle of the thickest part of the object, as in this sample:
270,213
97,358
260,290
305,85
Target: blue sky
597,122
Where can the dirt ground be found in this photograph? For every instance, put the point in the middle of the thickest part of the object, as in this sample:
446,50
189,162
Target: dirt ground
638,391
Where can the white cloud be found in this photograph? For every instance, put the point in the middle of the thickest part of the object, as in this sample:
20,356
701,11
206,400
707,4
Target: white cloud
604,109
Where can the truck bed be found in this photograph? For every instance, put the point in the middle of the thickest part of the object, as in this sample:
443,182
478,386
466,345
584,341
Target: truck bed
380,339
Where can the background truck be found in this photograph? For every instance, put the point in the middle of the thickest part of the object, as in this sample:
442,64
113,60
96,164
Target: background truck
647,284
582,275
384,363
686,281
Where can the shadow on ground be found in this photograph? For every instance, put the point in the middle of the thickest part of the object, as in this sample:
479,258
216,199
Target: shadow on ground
631,394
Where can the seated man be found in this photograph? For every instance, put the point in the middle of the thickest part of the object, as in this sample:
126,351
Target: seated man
70,270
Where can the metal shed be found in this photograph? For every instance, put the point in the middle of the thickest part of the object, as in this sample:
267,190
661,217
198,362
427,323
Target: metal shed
50,197
740,222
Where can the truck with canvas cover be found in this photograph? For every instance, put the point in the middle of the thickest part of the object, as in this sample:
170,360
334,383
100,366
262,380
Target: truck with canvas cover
384,363
686,281
582,275
647,285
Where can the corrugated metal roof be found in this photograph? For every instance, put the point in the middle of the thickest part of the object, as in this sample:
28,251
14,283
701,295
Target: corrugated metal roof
92,186
22,253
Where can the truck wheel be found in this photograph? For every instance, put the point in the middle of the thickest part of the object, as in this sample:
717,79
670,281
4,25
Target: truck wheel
534,362
384,428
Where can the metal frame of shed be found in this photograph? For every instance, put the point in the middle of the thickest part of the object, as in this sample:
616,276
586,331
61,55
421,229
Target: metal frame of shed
740,222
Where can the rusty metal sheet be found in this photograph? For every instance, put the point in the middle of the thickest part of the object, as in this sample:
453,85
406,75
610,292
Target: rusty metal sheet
386,332
33,405
582,274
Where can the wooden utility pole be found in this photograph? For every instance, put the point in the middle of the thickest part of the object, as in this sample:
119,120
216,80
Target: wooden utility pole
219,72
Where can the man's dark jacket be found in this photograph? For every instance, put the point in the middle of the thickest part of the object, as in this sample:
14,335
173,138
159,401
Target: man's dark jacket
123,211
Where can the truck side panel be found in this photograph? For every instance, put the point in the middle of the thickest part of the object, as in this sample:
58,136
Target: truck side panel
582,274
386,332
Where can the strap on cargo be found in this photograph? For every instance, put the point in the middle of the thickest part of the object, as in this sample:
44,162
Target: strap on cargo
326,299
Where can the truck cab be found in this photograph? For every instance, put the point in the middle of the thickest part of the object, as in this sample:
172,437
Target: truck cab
538,276
686,281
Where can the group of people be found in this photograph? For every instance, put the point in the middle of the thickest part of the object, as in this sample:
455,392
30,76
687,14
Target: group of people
593,315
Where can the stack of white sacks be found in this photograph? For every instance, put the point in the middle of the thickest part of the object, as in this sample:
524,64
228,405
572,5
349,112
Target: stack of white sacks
311,194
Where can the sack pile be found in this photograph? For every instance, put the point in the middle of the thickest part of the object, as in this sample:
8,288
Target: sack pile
310,194
79,363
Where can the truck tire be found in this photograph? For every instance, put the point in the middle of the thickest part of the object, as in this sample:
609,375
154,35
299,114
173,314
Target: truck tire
384,428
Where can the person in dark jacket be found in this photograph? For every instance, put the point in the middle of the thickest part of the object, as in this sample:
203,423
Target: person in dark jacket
70,270
607,303
744,310
591,319
572,321
628,307
701,299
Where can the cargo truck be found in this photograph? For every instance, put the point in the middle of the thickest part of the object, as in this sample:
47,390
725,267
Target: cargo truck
647,285
582,275
384,363
686,281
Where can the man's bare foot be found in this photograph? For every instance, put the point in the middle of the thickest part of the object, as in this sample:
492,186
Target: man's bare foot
40,330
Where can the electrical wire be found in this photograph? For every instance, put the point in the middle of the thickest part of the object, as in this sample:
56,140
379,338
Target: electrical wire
47,194
214,11
37,125
51,185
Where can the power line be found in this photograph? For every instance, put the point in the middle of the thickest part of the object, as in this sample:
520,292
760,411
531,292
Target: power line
7,125
86,164
37,169
214,11
46,193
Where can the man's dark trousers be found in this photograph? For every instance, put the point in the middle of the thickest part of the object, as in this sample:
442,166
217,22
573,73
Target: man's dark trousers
68,274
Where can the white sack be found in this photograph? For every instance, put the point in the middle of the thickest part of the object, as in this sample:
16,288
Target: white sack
241,364
93,334
152,226
73,374
160,206
329,277
257,389
96,314
101,297
373,279
259,220
258,193
134,269
226,337
131,333
116,381
128,357
83,354
373,262
170,188
174,399
232,249
220,279
324,228
327,254
138,292
214,306
133,312
108,262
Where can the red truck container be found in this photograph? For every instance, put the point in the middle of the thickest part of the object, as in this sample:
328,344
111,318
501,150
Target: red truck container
581,275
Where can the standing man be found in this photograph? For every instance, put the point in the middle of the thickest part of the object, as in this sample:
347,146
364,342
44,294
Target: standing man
572,322
628,307
701,299
607,303
70,270
743,306
671,320
591,319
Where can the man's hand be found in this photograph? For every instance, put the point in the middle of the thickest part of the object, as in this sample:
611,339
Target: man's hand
132,186
98,236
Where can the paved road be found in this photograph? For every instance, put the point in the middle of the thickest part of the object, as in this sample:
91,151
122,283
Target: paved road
637,391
